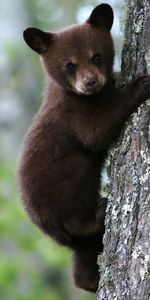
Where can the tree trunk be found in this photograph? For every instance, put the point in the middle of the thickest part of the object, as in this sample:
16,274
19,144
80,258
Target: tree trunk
124,264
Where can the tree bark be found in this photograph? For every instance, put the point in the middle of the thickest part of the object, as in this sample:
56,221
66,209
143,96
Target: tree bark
124,264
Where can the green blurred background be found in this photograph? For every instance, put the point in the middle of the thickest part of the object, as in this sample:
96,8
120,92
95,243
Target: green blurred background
32,267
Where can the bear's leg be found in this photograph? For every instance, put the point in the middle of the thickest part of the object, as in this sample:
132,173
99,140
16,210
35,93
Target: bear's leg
85,270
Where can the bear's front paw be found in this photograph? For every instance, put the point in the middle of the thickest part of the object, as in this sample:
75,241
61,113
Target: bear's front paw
140,87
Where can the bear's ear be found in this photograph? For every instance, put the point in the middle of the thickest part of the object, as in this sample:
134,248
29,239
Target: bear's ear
37,39
102,16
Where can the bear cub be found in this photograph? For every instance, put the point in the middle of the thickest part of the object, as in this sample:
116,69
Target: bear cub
64,151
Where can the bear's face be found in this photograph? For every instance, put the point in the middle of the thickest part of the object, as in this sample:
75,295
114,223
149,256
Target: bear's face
79,58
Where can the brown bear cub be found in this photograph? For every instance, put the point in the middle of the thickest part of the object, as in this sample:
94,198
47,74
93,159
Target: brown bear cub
65,148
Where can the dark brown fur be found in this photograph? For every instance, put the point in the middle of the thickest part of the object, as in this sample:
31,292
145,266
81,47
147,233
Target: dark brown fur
65,149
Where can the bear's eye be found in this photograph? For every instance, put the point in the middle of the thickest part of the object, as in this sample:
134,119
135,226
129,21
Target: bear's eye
97,59
71,67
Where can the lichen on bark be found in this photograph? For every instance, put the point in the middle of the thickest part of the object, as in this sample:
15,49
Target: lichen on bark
125,262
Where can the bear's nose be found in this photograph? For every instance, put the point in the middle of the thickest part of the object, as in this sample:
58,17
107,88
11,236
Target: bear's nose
90,82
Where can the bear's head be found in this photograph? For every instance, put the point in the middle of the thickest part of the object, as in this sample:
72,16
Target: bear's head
80,58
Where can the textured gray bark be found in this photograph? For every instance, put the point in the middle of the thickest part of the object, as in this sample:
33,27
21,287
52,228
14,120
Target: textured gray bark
125,263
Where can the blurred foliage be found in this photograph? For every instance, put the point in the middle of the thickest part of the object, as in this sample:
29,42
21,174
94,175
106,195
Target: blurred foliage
32,267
